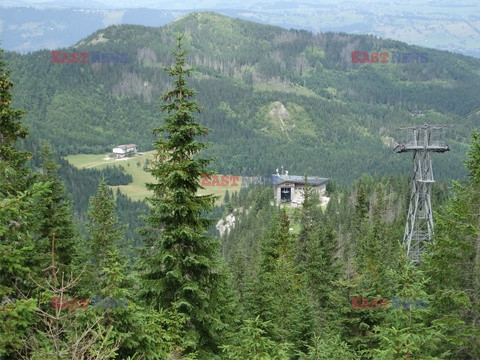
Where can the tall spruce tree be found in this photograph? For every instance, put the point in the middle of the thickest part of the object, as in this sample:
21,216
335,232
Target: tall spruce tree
181,264
14,174
322,268
280,296
453,264
57,225
105,236
403,332
19,225
310,214
145,333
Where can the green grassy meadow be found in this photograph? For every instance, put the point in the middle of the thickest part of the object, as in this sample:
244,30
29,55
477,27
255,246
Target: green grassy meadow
134,166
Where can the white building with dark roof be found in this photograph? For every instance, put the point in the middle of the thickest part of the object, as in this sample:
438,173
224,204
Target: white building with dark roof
123,150
289,188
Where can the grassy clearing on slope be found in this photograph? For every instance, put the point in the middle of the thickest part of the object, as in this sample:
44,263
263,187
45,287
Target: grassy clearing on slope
86,161
134,166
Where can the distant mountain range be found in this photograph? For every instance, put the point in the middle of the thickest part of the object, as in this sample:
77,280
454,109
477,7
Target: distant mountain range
272,96
436,24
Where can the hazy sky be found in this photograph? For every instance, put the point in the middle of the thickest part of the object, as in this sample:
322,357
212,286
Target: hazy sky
442,24
207,4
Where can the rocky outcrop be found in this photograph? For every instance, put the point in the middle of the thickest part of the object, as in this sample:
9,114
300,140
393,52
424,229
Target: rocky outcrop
225,225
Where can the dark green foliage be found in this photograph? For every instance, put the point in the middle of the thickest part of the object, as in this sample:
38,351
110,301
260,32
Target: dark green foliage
322,268
279,294
341,260
20,202
453,264
115,175
104,241
251,343
343,113
290,274
329,346
181,264
405,333
109,276
310,215
82,184
57,224
226,198
16,250
13,170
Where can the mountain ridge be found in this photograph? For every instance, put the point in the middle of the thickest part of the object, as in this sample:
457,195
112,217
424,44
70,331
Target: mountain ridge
242,67
28,29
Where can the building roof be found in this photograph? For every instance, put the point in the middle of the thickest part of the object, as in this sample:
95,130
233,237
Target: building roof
126,146
314,180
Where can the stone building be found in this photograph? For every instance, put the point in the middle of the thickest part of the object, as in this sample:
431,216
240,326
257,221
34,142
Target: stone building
289,188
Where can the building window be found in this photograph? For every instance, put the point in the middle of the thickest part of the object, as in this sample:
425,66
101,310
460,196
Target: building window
286,194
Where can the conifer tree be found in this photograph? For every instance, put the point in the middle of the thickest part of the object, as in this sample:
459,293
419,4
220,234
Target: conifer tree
108,279
19,225
105,237
367,279
252,343
181,264
361,207
56,217
453,263
403,332
14,175
281,297
329,346
321,267
226,198
310,214
62,331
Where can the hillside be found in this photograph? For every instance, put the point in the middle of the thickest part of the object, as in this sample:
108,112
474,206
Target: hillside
438,24
272,97
135,167
88,273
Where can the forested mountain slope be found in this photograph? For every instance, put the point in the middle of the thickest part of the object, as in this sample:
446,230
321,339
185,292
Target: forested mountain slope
272,97
285,283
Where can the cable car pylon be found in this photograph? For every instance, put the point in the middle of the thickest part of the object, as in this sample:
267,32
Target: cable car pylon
419,225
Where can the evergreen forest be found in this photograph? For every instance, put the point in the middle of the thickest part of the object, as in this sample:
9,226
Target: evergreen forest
87,273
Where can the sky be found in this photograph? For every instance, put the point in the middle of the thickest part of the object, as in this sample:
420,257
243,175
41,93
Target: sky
202,4
441,24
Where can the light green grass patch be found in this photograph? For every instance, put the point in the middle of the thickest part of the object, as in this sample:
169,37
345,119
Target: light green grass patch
137,190
85,161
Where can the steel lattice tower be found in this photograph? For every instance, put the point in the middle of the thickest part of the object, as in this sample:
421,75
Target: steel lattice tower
419,226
